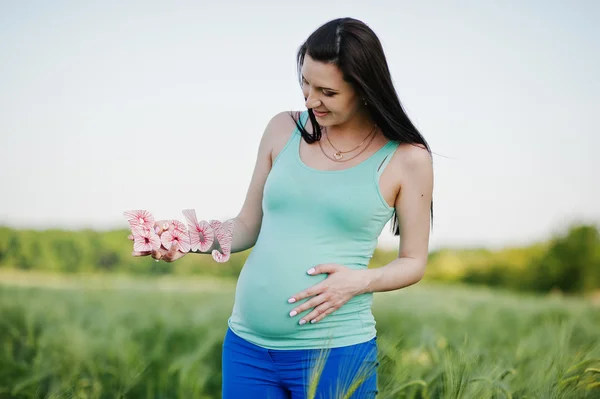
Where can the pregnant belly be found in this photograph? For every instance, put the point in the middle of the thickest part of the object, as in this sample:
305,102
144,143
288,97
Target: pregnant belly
262,293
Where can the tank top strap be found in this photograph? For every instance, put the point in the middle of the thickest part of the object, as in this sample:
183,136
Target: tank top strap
304,118
297,136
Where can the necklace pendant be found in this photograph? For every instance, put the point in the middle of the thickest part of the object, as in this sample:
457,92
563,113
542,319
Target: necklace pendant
337,155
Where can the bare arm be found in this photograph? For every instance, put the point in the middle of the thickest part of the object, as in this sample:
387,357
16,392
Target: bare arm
412,210
246,225
249,220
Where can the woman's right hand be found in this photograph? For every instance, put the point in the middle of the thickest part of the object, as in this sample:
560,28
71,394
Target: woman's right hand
168,255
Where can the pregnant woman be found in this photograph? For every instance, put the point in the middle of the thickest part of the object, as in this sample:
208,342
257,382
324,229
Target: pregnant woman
325,183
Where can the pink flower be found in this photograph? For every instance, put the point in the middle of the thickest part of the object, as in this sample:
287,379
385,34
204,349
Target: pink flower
201,233
177,237
140,218
177,225
171,225
224,235
145,240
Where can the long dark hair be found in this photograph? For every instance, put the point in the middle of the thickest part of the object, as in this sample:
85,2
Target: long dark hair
355,49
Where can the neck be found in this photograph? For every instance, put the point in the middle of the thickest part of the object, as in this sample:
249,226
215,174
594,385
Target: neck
354,129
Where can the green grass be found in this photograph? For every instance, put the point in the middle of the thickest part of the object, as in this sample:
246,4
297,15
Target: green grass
129,337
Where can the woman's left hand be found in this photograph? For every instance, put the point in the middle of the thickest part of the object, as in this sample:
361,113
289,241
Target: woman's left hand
330,294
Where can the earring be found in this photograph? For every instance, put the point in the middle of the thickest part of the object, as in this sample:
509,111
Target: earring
365,101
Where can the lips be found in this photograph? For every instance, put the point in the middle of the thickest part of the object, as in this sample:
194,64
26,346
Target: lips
319,113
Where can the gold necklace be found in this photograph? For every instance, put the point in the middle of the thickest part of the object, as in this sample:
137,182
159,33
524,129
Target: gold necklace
338,153
347,159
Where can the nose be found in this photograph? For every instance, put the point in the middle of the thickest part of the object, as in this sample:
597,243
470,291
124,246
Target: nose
311,101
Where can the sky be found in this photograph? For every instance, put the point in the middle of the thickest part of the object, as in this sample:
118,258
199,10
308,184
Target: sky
109,106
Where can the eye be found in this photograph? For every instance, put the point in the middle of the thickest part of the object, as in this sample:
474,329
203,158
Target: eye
328,94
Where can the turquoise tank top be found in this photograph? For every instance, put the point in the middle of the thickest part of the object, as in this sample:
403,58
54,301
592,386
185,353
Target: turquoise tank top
310,217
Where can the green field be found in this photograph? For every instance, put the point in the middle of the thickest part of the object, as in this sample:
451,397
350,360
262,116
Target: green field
142,337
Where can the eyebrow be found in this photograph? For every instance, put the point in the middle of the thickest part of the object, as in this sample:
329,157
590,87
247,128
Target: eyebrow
324,88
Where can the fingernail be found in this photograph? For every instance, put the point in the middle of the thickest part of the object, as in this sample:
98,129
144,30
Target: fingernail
302,322
313,321
291,300
311,270
293,313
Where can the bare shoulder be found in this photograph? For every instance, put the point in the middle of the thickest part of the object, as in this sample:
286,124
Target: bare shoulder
414,167
408,163
281,122
413,156
279,130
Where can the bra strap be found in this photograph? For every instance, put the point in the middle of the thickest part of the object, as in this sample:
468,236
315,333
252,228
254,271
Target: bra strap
388,153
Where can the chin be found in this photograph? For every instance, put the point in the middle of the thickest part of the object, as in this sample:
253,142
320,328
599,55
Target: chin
327,121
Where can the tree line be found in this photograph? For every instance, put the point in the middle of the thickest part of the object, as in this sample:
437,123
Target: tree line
569,262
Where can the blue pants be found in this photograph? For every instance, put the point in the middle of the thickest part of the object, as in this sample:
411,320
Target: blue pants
254,372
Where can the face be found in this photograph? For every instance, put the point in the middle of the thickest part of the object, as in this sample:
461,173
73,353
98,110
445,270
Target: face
325,90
